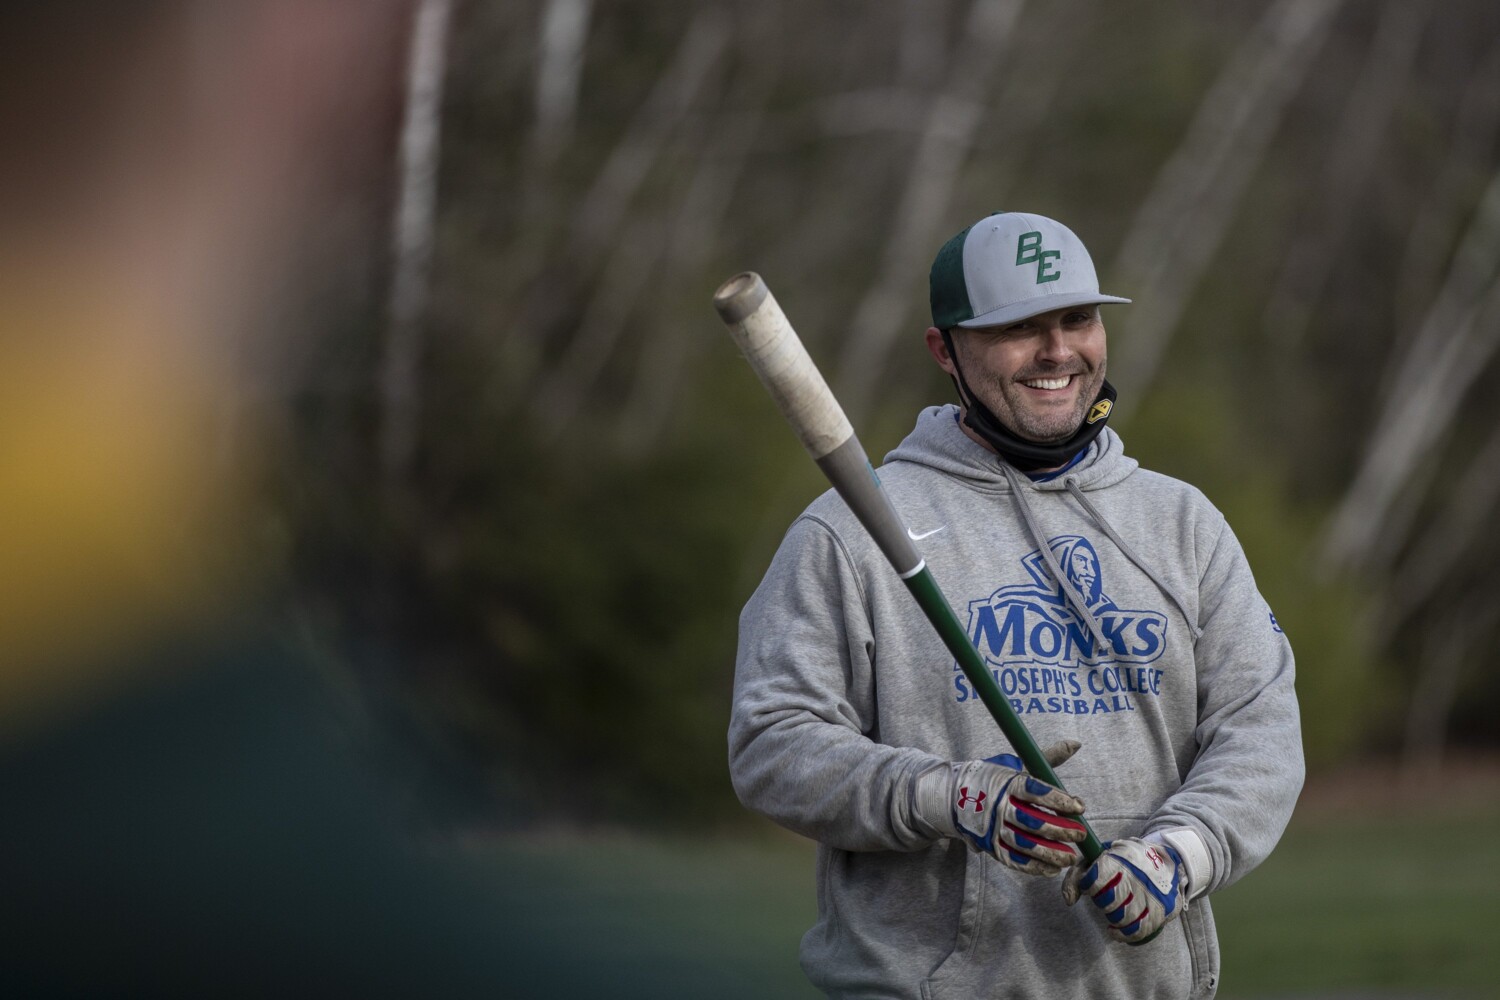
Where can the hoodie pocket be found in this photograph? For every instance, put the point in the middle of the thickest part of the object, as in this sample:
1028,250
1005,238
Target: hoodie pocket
1203,948
949,972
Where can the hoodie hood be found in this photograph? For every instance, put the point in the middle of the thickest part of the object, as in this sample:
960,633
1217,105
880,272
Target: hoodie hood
938,441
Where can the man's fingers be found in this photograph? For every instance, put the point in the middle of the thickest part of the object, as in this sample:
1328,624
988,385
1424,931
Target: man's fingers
1058,753
1044,822
1070,891
1033,845
1021,821
1134,910
1028,865
1037,832
1029,789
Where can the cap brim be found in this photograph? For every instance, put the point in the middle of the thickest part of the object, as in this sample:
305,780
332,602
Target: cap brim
1042,303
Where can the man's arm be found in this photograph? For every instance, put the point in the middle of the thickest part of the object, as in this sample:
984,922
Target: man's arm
1241,788
804,699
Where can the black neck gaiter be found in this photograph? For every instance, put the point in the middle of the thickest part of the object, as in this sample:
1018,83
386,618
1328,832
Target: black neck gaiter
1027,456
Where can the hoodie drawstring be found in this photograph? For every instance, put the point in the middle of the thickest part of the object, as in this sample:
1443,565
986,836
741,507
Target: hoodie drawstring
1071,483
1070,592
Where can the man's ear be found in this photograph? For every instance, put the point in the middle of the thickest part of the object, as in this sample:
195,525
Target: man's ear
939,350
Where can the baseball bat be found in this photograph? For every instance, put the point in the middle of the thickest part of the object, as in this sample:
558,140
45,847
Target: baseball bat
769,343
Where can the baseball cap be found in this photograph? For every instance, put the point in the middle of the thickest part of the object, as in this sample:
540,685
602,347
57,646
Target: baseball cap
1008,266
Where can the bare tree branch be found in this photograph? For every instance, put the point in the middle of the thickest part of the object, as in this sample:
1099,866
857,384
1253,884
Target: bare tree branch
667,354
626,168
1456,340
564,390
1184,219
901,110
1445,541
1438,223
631,259
939,155
1355,152
919,59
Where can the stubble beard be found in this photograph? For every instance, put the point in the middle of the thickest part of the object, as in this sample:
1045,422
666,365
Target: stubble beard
1043,427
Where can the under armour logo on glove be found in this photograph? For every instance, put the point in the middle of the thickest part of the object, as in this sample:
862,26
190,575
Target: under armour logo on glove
1032,827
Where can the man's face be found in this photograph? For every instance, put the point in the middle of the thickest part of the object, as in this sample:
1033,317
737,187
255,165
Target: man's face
1040,375
1083,569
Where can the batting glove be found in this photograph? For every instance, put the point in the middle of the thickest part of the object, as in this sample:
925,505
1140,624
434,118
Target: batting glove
1138,887
998,809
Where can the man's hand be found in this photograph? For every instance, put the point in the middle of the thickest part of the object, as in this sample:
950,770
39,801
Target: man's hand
997,808
1138,887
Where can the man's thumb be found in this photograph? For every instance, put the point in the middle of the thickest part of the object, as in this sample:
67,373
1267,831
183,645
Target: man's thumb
1059,752
1070,892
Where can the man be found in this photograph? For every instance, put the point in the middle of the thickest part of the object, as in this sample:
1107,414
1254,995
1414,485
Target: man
1116,611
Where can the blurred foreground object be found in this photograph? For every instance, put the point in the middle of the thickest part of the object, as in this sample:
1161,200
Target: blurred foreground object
167,165
190,808
108,495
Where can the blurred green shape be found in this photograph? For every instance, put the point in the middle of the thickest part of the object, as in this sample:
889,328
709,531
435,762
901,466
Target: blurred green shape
225,827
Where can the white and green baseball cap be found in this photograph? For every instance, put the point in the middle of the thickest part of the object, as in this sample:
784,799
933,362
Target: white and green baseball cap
1008,266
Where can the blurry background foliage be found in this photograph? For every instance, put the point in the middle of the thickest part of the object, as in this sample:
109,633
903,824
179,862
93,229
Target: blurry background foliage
530,539
375,337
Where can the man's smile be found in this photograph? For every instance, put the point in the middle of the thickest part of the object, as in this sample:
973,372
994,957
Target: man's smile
1057,382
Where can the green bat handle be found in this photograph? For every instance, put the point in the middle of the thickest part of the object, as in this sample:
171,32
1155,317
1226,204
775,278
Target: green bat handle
927,593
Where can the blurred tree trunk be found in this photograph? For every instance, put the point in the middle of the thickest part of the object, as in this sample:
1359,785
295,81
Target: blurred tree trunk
1355,153
1458,337
1445,541
629,258
1441,216
1451,644
412,243
1184,219
565,28
666,357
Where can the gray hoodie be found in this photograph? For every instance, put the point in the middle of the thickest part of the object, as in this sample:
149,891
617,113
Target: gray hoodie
1180,690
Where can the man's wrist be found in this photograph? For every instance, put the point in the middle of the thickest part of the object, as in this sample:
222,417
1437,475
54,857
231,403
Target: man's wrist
1197,863
932,801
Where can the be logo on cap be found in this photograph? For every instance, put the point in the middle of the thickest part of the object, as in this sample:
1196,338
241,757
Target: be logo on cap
1029,249
1009,266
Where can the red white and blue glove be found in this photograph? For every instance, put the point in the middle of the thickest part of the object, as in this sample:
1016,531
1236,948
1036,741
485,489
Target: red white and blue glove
1138,886
998,809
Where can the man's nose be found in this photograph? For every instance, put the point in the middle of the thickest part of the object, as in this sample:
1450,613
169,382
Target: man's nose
1054,346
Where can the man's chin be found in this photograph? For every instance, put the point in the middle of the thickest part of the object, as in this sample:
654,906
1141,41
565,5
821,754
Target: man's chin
1054,432
1049,435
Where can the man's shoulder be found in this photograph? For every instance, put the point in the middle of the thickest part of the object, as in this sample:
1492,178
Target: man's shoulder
828,510
908,486
1159,484
830,516
1155,497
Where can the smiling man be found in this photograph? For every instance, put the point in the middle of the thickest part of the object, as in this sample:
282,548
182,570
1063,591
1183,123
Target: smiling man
1030,333
1116,611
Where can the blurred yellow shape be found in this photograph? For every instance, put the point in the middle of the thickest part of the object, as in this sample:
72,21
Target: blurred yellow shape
111,502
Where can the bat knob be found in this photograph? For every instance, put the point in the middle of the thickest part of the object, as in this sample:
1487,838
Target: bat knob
740,296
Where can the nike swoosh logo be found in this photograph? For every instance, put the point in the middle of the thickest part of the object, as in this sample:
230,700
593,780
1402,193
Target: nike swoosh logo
917,538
